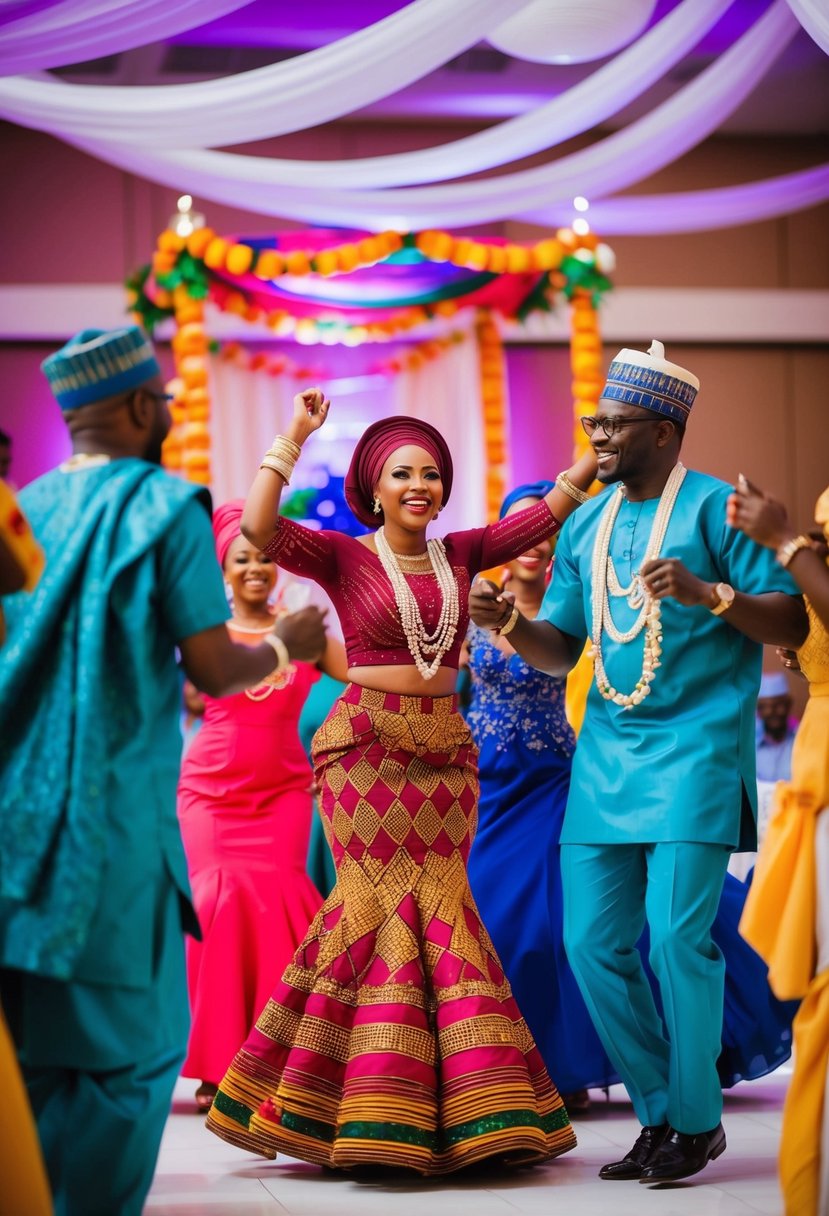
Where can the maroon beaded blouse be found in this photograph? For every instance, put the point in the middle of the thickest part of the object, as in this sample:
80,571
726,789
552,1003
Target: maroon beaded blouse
362,594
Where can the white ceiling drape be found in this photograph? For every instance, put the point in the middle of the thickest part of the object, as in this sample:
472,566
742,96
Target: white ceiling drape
164,118
622,159
698,210
313,88
72,31
813,15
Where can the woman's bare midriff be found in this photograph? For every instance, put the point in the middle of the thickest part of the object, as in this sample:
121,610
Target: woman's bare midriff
405,680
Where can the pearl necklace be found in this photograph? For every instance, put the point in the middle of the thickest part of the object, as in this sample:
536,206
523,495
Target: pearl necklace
423,646
605,582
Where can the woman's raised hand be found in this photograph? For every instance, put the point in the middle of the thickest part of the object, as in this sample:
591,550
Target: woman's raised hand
310,411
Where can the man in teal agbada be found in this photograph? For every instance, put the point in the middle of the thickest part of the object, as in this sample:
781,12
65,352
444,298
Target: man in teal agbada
677,605
94,895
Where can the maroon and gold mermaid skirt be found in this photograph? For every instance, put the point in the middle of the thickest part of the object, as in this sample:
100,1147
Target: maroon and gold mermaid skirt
393,1038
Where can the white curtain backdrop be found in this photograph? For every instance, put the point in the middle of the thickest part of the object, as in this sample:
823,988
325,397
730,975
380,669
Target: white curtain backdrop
813,15
447,393
248,409
72,31
616,162
298,93
95,112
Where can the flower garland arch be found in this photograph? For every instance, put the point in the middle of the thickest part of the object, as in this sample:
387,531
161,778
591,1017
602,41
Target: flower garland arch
315,286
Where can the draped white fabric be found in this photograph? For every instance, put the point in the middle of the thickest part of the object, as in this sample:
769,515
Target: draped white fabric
93,112
612,164
813,15
698,210
293,95
72,31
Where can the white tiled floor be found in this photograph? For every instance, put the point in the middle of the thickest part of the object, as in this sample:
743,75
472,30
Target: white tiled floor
200,1175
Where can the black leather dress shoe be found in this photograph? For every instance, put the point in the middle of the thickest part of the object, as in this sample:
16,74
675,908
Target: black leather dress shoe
680,1156
634,1162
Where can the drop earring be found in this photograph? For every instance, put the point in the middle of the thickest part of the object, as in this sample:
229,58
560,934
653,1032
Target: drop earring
377,507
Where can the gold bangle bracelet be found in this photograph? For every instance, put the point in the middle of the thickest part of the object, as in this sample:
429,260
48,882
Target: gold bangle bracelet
283,446
282,467
511,623
569,488
787,551
283,658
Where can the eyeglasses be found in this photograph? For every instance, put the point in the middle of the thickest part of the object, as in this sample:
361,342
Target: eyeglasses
611,426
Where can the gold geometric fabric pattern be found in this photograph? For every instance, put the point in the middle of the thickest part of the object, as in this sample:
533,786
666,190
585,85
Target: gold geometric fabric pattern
393,1037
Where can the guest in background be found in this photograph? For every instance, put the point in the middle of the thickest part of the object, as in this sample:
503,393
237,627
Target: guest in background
244,806
775,728
787,913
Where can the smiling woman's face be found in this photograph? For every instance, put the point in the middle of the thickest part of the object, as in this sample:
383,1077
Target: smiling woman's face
410,487
250,574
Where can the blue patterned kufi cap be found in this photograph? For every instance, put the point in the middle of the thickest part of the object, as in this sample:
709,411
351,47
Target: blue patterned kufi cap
99,363
650,381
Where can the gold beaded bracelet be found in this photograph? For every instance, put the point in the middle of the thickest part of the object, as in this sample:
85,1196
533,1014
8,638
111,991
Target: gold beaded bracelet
283,658
512,621
569,488
787,551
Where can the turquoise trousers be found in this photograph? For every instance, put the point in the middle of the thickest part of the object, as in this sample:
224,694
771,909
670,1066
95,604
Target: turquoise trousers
669,1069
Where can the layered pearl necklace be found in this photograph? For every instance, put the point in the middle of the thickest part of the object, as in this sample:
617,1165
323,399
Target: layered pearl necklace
427,649
605,582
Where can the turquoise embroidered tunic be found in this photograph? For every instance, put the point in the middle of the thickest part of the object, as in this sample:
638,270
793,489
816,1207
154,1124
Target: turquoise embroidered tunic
680,765
90,695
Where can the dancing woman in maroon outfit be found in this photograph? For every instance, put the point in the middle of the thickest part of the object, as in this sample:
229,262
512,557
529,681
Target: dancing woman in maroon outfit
393,1038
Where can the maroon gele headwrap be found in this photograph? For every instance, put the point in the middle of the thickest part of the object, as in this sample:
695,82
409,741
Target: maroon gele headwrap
226,519
373,450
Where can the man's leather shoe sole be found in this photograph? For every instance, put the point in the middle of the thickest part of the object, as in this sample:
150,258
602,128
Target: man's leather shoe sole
680,1156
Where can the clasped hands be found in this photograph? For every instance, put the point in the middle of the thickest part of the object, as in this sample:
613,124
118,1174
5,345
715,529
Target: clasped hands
664,577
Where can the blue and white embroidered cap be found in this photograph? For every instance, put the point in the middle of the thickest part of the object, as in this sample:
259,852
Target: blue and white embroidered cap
100,363
650,381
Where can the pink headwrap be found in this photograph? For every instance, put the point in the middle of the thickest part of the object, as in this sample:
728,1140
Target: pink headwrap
373,450
226,519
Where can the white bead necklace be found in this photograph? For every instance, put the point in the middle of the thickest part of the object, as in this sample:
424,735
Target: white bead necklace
427,649
605,583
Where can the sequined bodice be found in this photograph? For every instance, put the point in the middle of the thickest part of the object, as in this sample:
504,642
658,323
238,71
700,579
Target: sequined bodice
514,702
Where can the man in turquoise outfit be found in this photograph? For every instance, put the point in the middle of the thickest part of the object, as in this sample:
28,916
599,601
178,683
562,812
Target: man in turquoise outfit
94,895
677,605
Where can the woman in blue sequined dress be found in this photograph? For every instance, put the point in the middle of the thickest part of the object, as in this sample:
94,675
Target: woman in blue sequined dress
526,744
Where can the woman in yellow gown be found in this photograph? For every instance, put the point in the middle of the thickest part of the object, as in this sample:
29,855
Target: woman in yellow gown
786,918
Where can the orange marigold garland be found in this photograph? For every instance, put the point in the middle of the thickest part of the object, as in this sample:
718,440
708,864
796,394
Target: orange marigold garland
494,401
182,266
